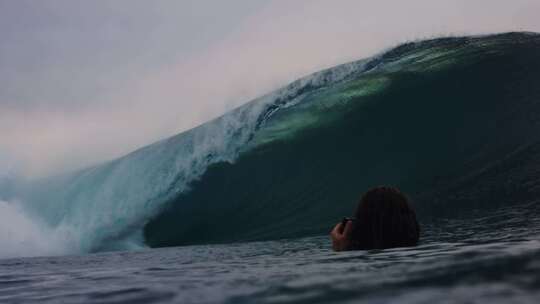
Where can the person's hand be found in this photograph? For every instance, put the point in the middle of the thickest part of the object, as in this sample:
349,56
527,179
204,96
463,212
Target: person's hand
341,236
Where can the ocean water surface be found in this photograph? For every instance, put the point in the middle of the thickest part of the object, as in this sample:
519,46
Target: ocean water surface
488,256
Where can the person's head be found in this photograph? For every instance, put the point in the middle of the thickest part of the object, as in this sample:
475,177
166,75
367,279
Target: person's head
384,219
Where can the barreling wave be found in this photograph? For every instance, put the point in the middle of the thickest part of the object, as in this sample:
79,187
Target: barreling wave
452,121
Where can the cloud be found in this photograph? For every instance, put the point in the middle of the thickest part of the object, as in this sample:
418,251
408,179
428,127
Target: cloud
70,109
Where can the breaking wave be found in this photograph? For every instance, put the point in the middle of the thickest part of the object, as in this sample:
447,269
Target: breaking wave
453,121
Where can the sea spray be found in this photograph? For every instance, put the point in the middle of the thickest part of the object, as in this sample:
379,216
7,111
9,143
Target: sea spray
24,236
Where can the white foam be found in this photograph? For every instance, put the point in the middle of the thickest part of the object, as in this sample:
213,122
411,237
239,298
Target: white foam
21,236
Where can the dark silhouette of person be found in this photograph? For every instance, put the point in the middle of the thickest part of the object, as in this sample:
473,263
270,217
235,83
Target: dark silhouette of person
383,219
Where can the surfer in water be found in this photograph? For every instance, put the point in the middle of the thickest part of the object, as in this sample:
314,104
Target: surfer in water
383,219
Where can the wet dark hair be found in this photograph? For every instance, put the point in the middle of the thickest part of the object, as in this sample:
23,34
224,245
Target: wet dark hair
384,219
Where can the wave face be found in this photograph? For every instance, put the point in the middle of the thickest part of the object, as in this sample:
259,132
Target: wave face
454,122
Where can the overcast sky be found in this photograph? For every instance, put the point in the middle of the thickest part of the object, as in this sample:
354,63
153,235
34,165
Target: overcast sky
86,81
